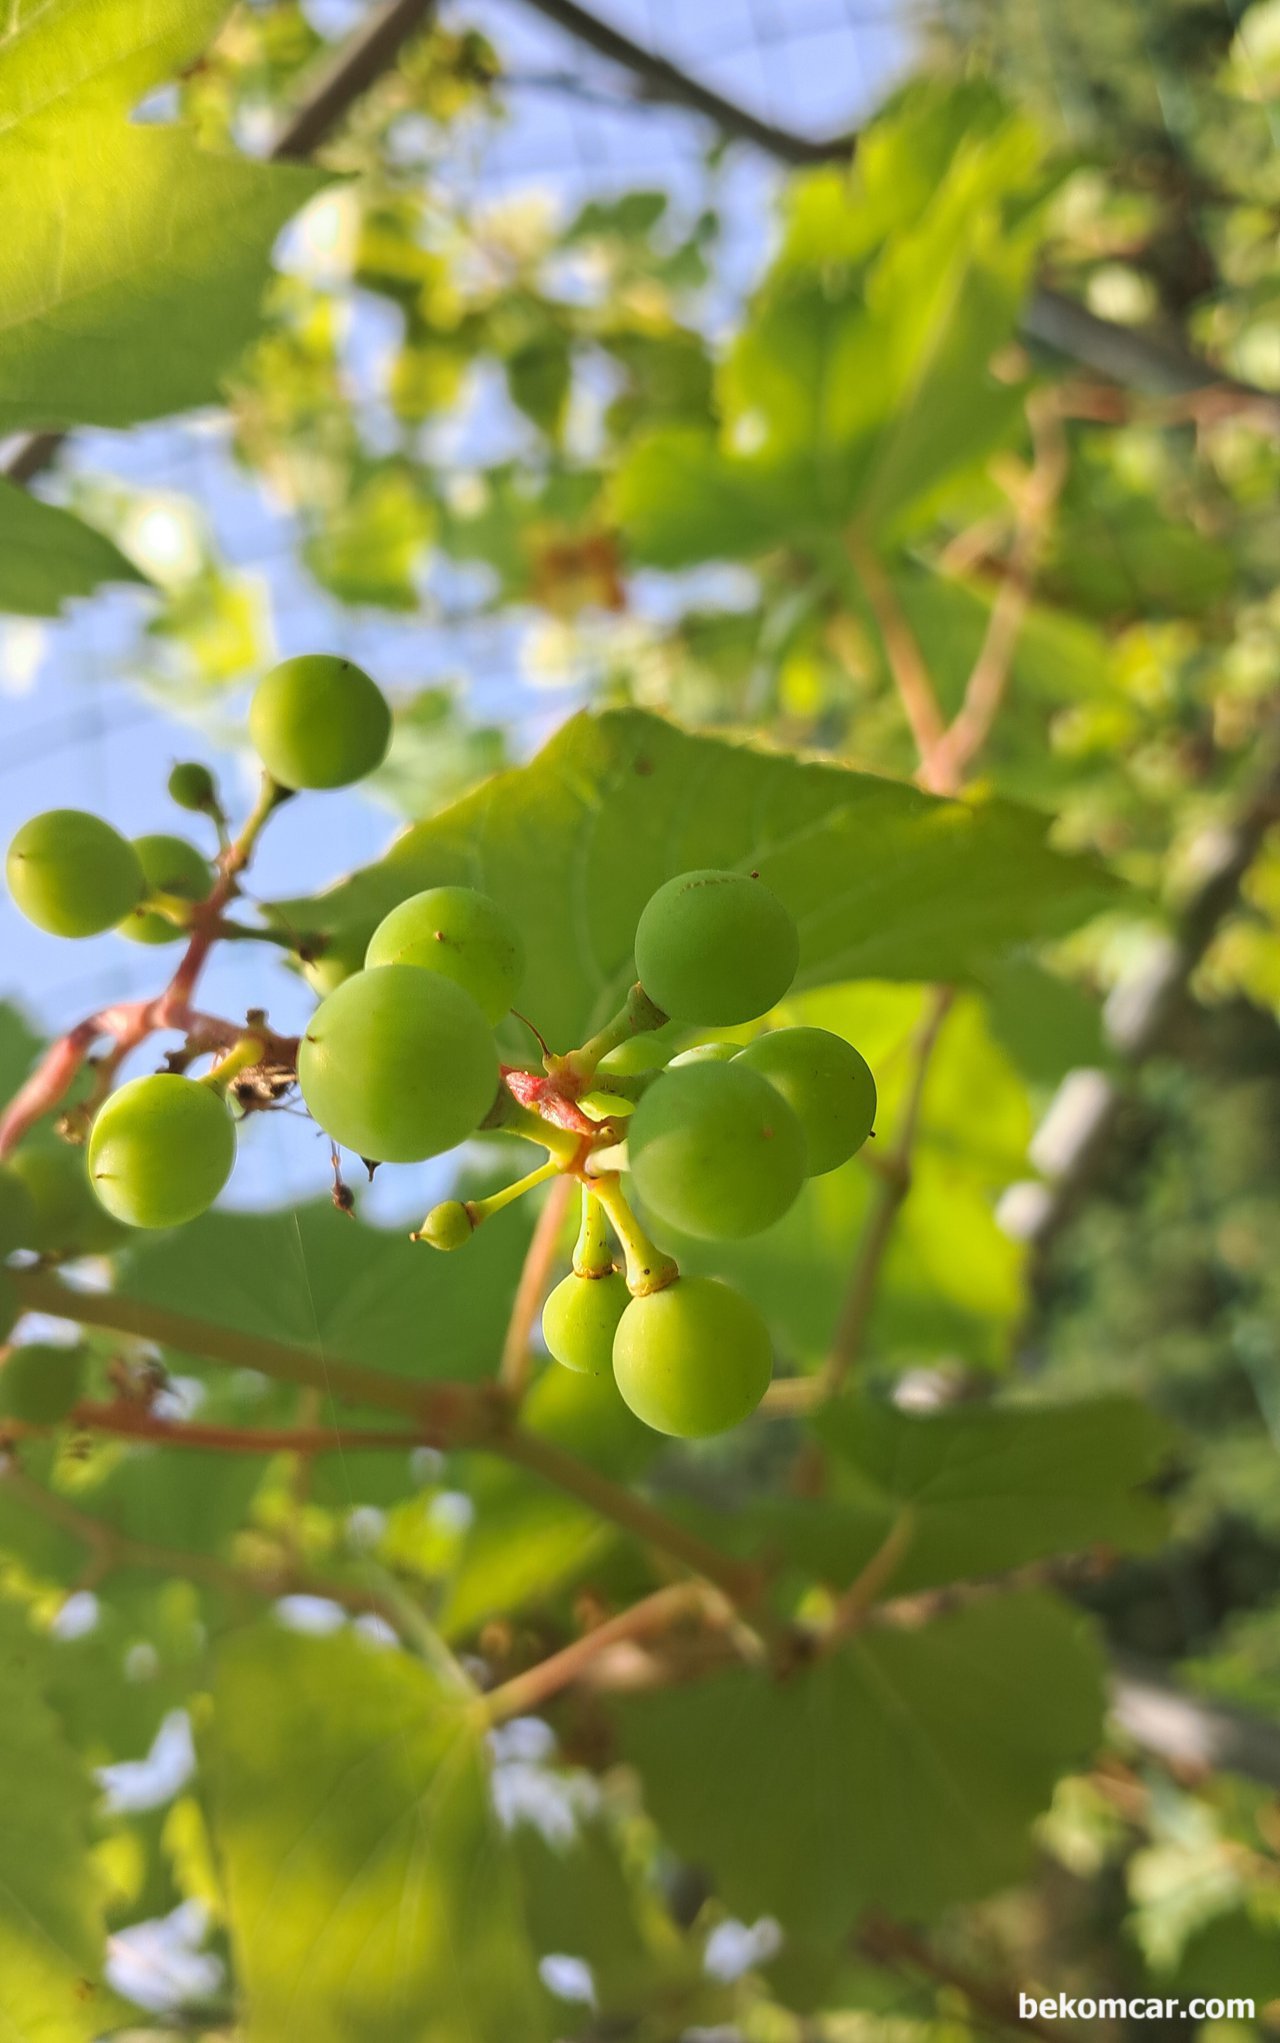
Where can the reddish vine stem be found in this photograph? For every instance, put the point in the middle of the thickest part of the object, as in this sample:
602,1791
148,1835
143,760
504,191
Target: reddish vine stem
944,767
135,1422
655,1614
906,661
514,1366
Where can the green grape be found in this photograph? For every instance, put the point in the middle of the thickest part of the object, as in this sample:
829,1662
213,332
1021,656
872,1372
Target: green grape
398,1064
828,1086
341,958
319,721
716,948
692,1359
39,1383
706,1053
161,1150
66,1218
715,1151
9,1307
17,1213
170,866
192,787
72,874
636,1055
447,1226
463,935
580,1319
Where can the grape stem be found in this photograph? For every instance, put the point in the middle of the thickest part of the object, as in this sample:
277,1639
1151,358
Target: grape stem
657,1614
483,1209
637,1015
648,1269
515,1363
593,1250
242,1056
871,1581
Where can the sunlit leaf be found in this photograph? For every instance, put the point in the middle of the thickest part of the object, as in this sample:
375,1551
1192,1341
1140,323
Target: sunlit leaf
51,1942
371,1890
901,1772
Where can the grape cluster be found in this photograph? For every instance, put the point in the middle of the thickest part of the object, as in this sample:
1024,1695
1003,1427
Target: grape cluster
719,1139
658,1122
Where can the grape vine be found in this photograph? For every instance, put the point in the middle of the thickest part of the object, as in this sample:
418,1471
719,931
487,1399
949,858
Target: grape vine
398,1063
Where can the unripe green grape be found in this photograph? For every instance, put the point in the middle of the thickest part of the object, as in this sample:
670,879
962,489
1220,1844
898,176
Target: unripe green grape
715,1151
716,948
319,721
828,1086
706,1053
17,1214
72,874
170,866
693,1359
447,1226
580,1319
161,1150
9,1306
39,1382
460,933
192,786
66,1218
634,1056
398,1064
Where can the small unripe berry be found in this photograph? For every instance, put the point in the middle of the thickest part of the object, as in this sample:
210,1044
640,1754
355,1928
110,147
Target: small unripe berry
447,1226
191,786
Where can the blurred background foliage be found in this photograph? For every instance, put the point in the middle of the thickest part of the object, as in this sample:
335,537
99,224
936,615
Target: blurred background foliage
614,448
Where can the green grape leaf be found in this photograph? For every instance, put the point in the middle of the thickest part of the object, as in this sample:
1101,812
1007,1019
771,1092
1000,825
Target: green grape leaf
1049,1025
902,1771
976,1490
837,400
112,1686
679,499
51,1937
48,556
324,1281
133,260
884,881
371,1891
586,1901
